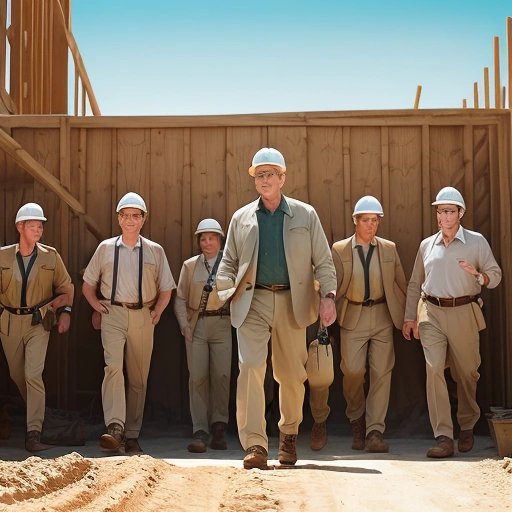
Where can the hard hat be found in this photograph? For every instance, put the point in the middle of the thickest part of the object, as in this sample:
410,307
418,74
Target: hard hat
368,204
267,156
209,226
131,200
30,211
449,195
320,364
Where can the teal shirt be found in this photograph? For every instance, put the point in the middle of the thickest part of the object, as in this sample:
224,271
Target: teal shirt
272,268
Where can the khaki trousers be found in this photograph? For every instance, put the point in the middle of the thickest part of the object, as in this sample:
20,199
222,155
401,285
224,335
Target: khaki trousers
372,339
25,348
270,315
318,402
127,337
449,336
209,366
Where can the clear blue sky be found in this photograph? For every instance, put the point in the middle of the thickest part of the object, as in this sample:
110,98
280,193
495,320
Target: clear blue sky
163,57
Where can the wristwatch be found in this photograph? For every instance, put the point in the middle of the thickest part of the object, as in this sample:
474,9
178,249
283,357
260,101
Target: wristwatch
330,295
480,279
65,309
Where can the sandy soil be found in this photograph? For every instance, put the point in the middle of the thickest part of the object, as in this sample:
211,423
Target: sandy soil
144,483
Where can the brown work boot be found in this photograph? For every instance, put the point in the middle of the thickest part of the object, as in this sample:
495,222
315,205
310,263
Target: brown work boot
255,457
132,447
375,443
114,437
444,448
33,442
287,455
198,443
218,441
466,441
358,433
318,435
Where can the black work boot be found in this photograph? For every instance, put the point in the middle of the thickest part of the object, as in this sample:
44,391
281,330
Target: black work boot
218,441
198,443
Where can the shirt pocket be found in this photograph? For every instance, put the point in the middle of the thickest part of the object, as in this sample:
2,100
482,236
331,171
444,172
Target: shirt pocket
5,278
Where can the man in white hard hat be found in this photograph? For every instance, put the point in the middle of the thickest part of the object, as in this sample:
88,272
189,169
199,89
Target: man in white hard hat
275,250
135,285
444,311
34,284
370,300
205,324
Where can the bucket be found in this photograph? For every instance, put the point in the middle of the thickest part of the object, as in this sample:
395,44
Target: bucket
503,436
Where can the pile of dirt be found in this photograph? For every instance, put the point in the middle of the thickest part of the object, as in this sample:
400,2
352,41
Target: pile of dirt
144,483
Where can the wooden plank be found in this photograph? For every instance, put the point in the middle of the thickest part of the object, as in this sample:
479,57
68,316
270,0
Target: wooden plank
426,186
166,193
475,95
365,163
468,177
186,209
497,80
509,60
481,181
384,158
486,88
417,98
347,176
325,182
292,143
241,145
403,212
3,36
207,175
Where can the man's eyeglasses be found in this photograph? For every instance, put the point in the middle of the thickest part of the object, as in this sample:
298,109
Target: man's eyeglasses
447,212
128,216
265,175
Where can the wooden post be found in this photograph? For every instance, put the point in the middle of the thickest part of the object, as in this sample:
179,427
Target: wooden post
464,103
475,95
497,82
417,99
509,44
503,97
486,88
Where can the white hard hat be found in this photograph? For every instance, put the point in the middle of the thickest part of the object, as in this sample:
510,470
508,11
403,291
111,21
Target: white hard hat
368,204
267,156
30,211
209,226
449,195
131,200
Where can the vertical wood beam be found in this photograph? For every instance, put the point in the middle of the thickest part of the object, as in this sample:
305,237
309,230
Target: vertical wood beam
509,52
497,80
417,98
425,179
486,88
475,95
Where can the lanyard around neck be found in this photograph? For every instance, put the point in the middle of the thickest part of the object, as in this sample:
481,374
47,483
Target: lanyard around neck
116,266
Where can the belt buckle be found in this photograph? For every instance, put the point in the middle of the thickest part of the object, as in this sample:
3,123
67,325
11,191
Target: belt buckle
368,303
18,311
454,299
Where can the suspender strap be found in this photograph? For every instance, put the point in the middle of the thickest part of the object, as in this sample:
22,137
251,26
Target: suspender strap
116,267
366,267
25,274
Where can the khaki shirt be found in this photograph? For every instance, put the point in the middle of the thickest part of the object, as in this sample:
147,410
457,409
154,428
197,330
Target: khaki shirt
356,290
47,274
156,274
193,277
437,272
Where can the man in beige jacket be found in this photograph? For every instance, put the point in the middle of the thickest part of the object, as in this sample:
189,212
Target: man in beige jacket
275,250
370,299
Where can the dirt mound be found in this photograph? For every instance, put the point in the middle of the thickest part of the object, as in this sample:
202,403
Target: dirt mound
144,483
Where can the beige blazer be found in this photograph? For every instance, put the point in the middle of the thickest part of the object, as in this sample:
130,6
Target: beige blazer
393,280
307,256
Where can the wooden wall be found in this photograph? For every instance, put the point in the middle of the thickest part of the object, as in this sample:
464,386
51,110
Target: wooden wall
189,168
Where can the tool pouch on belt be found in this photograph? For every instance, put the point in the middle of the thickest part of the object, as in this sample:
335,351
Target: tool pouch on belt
49,320
320,363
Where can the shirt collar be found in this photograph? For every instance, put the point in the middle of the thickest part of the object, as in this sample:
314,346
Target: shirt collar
120,243
373,241
283,206
459,235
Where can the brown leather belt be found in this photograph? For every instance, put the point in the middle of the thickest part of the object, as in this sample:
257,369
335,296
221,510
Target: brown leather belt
452,302
215,312
128,305
368,303
272,287
20,311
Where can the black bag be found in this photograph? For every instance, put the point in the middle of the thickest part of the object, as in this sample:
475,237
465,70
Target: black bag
62,428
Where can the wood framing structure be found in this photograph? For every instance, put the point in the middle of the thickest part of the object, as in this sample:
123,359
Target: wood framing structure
188,168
